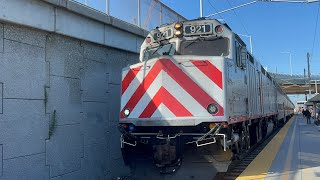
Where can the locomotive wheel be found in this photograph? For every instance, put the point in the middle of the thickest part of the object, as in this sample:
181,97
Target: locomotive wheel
247,138
253,134
168,169
259,131
264,128
275,124
244,141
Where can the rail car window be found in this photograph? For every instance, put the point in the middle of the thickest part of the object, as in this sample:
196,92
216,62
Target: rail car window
251,59
238,54
263,70
213,47
167,49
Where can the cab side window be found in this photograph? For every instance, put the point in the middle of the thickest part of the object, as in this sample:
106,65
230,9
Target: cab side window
238,53
241,55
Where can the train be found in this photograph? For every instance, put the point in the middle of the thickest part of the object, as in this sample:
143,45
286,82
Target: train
196,84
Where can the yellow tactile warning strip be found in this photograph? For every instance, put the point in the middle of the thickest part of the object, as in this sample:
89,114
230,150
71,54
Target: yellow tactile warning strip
259,167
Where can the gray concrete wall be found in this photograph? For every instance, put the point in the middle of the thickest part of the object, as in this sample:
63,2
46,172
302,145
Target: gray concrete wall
72,19
65,87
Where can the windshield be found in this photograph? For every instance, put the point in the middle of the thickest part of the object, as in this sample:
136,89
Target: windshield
206,47
167,49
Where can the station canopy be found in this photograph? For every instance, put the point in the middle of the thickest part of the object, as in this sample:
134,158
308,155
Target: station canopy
296,83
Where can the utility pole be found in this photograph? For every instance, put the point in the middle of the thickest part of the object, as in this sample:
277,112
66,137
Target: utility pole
107,7
250,38
308,61
201,8
305,82
139,16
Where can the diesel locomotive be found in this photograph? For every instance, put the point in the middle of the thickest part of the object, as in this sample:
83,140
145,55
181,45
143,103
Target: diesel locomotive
196,84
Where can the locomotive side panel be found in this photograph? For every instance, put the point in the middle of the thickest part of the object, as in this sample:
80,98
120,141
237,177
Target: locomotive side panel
254,91
237,93
274,98
264,94
267,100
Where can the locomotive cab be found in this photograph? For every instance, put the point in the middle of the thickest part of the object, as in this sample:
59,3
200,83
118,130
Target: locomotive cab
195,38
180,80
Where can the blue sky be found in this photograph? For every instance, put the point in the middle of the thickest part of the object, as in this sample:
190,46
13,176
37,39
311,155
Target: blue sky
274,27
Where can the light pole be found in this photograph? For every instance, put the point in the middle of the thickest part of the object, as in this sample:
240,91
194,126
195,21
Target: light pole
316,85
201,8
139,16
288,52
250,38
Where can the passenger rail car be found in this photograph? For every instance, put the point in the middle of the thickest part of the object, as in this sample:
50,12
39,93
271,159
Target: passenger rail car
197,84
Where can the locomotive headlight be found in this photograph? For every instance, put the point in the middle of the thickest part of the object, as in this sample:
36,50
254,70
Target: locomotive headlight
178,29
218,29
213,108
126,112
177,33
177,25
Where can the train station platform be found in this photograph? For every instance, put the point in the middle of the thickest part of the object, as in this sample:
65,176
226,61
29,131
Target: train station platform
293,153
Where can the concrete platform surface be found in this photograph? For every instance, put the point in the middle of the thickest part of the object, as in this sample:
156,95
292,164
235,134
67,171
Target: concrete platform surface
294,153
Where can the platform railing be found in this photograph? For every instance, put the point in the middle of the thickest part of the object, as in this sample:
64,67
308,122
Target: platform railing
146,14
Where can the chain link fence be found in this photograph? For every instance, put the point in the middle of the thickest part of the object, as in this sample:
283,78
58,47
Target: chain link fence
146,14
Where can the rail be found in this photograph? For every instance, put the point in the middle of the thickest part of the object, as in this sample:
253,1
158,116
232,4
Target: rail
146,14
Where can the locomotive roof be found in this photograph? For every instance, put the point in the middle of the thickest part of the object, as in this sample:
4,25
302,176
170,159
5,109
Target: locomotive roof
221,21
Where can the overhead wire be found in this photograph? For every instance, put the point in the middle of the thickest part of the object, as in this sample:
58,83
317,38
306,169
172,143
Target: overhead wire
214,8
240,20
246,30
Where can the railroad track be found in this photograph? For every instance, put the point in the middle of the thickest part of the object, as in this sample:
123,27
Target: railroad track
237,167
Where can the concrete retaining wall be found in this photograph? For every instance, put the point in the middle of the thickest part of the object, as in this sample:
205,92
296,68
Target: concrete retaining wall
72,19
59,104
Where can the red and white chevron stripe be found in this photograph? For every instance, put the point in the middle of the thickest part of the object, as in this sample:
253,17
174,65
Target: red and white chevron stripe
166,89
